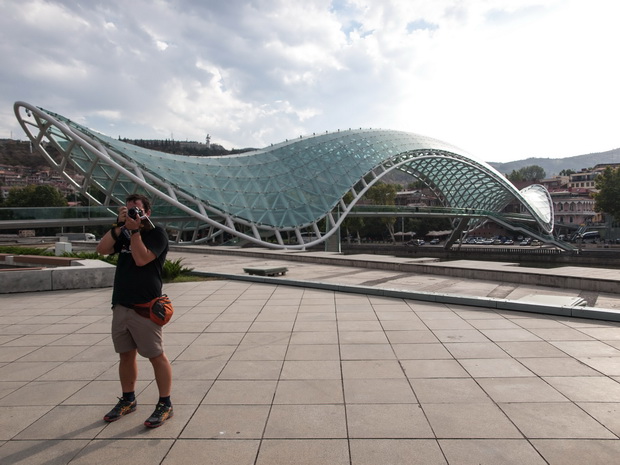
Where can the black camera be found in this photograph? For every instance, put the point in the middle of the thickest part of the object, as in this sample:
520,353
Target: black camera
135,212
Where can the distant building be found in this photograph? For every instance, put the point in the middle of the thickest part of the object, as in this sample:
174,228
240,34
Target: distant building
573,204
12,176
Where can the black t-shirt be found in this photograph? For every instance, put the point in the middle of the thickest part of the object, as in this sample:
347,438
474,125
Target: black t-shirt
135,284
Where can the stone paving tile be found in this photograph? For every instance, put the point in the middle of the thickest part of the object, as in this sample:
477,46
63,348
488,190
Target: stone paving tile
371,369
477,350
25,371
470,420
7,387
227,422
396,452
503,390
212,452
558,366
491,451
378,391
495,368
580,349
42,393
309,391
313,352
421,351
306,421
609,366
241,392
310,369
66,422
606,413
448,391
387,421
522,349
266,374
151,451
578,452
49,452
303,452
559,420
433,369
586,388
406,336
15,419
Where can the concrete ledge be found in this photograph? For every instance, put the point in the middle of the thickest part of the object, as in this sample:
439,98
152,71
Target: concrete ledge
26,281
563,277
43,260
82,274
478,302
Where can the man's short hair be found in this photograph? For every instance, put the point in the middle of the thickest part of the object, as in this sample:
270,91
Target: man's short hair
146,203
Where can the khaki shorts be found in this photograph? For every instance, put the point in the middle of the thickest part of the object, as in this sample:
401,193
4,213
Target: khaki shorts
131,331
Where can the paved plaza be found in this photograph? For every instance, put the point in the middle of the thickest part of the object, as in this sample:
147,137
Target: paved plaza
270,374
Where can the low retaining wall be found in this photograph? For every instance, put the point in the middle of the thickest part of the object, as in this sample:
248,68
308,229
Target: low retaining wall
53,273
590,256
561,277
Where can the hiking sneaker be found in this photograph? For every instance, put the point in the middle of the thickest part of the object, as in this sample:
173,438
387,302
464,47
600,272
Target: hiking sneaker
162,413
123,407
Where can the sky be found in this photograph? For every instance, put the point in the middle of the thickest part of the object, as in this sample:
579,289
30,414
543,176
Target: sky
503,80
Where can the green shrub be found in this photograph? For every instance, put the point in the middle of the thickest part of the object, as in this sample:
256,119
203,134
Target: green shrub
18,250
174,269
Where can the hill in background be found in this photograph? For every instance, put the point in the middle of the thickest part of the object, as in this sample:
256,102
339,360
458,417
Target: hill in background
553,166
17,153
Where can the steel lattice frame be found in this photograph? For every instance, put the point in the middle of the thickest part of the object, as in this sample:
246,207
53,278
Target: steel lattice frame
284,189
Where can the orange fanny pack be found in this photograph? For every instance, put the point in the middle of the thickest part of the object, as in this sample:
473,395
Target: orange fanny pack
159,310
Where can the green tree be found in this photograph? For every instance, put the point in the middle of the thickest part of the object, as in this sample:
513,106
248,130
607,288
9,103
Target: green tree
416,185
531,173
35,196
607,199
566,172
384,194
351,224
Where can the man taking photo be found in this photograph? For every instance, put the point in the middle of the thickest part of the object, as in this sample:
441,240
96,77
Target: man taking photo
142,249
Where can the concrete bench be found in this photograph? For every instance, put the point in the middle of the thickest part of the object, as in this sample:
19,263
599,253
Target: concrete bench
273,271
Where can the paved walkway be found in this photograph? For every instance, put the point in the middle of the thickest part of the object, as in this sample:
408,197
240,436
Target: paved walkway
272,374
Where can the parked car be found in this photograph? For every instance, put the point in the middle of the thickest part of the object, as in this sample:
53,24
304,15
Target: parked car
535,242
434,241
526,241
590,236
415,242
509,242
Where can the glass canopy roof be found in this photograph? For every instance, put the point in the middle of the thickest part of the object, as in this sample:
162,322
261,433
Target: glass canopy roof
290,186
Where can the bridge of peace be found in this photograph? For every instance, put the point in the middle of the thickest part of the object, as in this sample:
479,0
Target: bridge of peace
345,359
300,188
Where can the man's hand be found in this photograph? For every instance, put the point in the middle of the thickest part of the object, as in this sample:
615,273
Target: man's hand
132,224
128,221
122,215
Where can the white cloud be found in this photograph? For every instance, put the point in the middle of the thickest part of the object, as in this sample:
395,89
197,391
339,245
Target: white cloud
502,79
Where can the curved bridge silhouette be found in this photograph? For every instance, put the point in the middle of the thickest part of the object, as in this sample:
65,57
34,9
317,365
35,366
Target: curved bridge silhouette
302,188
